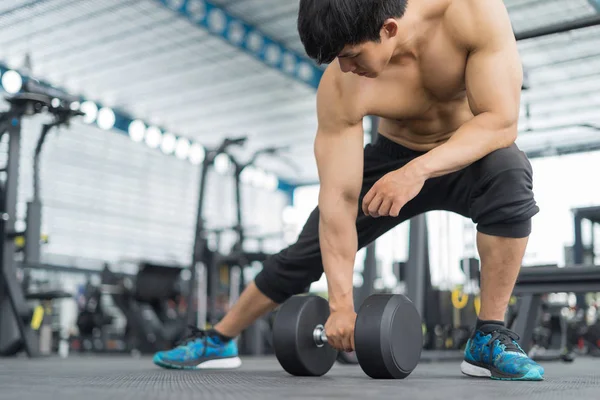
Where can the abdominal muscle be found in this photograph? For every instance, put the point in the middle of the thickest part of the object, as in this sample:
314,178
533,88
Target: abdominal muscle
429,131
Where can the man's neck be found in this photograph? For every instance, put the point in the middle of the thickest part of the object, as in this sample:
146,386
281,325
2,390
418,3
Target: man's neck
414,26
410,30
407,40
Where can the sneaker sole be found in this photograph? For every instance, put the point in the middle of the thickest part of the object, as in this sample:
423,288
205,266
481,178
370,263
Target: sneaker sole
480,372
221,363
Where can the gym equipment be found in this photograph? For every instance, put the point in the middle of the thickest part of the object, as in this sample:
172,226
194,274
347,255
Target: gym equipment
443,333
387,336
551,336
211,269
151,302
583,254
92,317
16,333
534,282
200,240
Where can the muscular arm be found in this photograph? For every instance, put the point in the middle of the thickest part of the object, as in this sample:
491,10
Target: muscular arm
339,156
493,81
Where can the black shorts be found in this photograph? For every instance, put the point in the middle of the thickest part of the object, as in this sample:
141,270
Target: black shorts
494,192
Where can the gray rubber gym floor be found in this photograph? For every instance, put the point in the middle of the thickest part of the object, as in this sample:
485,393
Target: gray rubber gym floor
116,378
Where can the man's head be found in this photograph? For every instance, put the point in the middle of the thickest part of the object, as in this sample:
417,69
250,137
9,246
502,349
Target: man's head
359,32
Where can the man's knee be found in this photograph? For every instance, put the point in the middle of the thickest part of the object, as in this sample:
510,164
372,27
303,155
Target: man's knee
282,278
502,199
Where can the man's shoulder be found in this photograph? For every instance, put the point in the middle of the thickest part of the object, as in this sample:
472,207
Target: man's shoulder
335,80
342,89
469,9
471,21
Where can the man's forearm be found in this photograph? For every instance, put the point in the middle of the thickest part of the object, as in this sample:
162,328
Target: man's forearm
339,244
474,140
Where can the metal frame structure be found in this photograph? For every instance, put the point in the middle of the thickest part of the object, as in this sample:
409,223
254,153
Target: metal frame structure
248,38
533,282
592,214
12,300
581,23
15,331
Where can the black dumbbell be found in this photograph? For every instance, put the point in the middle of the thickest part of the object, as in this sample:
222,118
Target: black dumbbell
388,337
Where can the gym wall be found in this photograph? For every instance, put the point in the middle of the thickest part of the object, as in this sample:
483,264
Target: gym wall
107,198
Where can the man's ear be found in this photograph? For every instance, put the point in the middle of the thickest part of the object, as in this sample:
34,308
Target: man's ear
389,28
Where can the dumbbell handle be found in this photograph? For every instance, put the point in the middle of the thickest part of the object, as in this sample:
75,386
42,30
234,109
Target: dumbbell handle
319,336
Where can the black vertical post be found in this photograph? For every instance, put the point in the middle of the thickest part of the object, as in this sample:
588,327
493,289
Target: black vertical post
11,191
33,231
238,207
4,125
417,268
199,244
374,128
11,288
578,254
578,245
592,242
527,318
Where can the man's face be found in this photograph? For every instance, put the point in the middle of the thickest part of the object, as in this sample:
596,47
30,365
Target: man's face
363,60
371,58
367,59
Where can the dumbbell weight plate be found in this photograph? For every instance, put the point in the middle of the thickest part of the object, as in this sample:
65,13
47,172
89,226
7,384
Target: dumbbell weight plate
388,336
293,340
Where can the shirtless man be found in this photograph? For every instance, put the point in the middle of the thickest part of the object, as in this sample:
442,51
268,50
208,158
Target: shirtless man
445,78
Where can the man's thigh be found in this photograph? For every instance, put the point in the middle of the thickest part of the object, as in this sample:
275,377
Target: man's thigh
496,192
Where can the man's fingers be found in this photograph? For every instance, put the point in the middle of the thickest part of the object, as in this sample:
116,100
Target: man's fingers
367,200
334,342
384,209
396,207
374,205
348,342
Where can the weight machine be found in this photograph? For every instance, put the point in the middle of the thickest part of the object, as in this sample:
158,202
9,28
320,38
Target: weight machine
16,332
207,264
201,251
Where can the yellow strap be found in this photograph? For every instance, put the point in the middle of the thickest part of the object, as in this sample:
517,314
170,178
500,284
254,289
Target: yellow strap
477,304
38,317
449,343
459,299
20,241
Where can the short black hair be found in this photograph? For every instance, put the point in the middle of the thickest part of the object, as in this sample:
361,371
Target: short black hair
327,26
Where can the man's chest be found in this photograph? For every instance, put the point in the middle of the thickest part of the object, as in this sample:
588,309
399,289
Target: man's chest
416,87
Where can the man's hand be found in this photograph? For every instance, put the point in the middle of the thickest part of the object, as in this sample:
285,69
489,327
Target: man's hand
339,330
390,193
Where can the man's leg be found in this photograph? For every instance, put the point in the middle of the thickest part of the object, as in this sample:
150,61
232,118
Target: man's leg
499,198
251,305
501,260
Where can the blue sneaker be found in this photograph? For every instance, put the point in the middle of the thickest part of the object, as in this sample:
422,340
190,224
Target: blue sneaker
200,350
493,352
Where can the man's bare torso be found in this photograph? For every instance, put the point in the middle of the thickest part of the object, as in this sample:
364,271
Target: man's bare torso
421,96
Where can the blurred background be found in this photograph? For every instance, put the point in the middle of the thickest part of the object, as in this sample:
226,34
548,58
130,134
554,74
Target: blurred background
179,155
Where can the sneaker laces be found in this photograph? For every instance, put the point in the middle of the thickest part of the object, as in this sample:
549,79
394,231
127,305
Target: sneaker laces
194,334
506,337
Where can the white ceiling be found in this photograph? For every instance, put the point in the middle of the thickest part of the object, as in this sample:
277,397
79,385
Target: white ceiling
144,58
